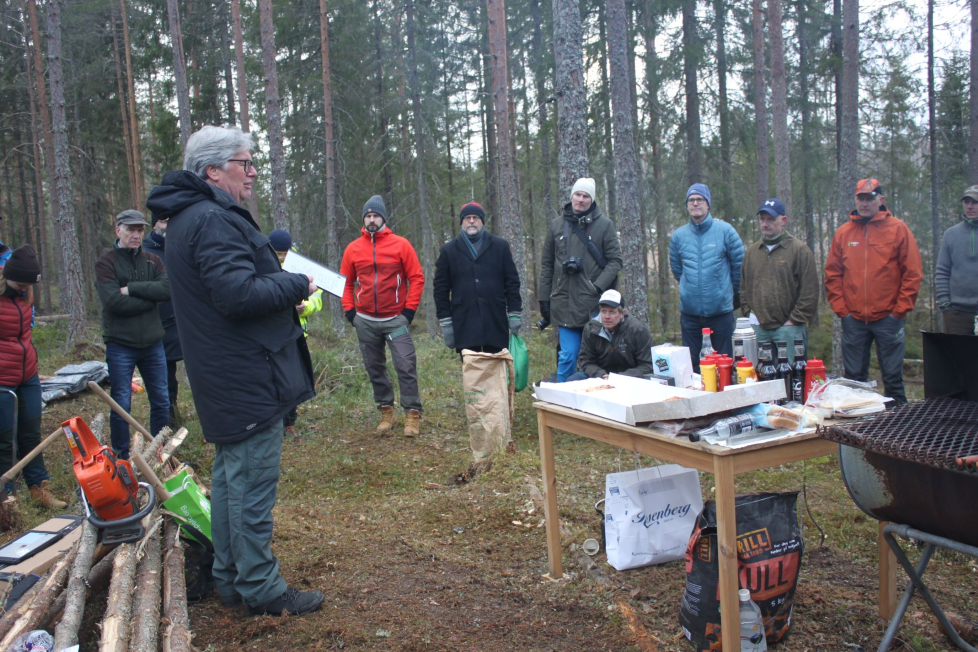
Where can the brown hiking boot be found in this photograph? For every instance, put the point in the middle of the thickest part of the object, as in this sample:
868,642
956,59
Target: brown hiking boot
412,423
43,496
386,418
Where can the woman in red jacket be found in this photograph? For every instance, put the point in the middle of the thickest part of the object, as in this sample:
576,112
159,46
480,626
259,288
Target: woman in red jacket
18,372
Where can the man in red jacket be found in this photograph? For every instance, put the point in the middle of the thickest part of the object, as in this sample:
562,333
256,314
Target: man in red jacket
872,276
383,289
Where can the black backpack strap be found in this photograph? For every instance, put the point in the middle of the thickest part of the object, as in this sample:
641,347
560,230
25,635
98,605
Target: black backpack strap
591,247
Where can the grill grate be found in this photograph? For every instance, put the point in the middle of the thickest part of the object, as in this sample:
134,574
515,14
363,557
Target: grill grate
940,432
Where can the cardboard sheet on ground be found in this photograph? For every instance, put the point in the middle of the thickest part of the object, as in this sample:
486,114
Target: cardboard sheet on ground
635,401
324,277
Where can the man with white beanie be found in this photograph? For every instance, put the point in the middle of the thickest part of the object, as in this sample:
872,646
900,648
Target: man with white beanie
581,259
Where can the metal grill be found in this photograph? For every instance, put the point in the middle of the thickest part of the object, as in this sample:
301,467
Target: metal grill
940,432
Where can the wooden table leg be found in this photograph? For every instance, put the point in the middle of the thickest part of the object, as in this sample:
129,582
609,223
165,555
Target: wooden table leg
550,513
727,548
888,576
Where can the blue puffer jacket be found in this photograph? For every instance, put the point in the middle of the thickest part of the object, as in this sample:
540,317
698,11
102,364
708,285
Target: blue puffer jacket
705,259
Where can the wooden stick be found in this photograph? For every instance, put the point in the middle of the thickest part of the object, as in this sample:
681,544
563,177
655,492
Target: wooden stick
19,466
28,613
176,635
175,442
146,606
101,393
66,633
144,469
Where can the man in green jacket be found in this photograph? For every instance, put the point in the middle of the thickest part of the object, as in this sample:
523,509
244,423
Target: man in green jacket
615,343
779,282
131,284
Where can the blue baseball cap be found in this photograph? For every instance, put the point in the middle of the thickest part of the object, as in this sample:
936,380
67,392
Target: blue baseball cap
772,207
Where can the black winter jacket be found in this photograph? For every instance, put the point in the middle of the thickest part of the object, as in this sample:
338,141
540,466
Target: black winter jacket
477,294
171,340
628,352
245,354
131,319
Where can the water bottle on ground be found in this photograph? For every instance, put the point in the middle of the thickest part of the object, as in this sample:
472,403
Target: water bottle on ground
751,625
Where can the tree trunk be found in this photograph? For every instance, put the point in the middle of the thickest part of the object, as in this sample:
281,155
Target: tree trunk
382,112
626,167
71,297
66,633
651,31
760,103
427,239
124,109
725,201
691,60
239,64
146,603
935,218
176,635
849,140
572,161
179,71
806,127
273,115
512,229
226,60
973,103
36,78
779,106
333,245
490,142
544,133
139,191
604,102
836,47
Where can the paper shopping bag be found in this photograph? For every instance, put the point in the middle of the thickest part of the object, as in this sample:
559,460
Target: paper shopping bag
649,514
190,505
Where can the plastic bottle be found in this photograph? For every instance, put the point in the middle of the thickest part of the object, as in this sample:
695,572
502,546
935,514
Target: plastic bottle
798,373
708,370
765,362
751,625
726,428
725,375
784,371
814,373
745,372
707,344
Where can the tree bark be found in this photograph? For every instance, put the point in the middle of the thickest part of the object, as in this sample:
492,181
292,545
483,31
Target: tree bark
725,201
179,71
273,115
572,163
176,635
333,246
35,77
146,605
118,612
806,128
544,133
691,60
226,60
935,218
512,229
124,110
626,167
72,300
651,30
427,241
760,102
139,191
382,123
76,593
607,155
490,142
98,579
779,106
243,110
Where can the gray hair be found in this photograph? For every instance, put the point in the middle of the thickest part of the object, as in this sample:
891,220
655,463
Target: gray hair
213,147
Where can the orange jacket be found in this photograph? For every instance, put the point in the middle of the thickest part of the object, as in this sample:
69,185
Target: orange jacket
873,268
383,275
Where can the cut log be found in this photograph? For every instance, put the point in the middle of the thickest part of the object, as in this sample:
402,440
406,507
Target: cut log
176,634
146,607
98,579
35,605
66,633
118,611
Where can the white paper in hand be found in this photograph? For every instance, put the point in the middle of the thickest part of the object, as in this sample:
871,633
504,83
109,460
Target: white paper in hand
325,278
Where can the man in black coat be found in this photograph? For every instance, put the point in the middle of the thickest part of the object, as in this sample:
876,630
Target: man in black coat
155,243
477,287
245,355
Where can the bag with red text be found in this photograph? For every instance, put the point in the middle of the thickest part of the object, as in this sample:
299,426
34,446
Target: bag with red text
769,552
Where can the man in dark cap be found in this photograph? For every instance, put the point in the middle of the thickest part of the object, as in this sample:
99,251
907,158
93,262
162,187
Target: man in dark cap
376,266
132,283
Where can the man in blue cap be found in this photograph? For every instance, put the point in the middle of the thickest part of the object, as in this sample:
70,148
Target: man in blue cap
779,281
705,256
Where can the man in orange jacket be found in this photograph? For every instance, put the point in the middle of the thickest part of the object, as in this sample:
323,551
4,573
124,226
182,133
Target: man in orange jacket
383,289
872,276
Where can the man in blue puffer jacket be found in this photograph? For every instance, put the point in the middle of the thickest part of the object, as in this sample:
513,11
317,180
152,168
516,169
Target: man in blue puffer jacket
705,256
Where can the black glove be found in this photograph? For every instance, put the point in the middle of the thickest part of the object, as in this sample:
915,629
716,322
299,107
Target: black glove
407,312
350,314
736,300
545,311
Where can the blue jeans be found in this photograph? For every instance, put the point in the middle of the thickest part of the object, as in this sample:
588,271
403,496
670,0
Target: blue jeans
722,337
28,429
570,348
151,362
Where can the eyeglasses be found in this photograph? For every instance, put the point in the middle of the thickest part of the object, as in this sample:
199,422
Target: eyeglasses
248,164
696,200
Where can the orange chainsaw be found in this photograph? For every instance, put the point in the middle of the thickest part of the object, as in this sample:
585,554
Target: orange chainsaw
108,486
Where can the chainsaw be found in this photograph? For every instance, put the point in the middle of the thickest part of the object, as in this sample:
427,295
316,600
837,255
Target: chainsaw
109,489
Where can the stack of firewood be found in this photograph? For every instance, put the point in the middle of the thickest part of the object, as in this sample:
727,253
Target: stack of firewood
146,609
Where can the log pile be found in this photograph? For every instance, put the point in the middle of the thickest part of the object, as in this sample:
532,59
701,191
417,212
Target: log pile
146,607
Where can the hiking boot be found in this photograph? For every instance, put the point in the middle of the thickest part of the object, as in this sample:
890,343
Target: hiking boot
412,423
230,600
386,418
292,602
43,496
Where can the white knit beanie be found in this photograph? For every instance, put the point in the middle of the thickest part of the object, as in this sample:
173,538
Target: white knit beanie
584,184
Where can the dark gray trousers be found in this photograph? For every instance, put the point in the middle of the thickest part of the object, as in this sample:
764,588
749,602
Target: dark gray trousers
957,322
373,337
244,486
857,342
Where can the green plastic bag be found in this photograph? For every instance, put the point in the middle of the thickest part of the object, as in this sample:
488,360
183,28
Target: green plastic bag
190,505
521,360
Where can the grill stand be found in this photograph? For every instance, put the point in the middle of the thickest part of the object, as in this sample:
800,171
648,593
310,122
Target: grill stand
916,583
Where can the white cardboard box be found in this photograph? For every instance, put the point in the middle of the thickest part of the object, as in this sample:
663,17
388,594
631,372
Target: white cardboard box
635,400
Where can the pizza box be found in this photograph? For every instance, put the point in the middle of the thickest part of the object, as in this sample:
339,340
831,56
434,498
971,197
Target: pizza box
635,400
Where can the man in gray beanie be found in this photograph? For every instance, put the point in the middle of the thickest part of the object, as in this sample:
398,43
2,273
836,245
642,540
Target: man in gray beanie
377,265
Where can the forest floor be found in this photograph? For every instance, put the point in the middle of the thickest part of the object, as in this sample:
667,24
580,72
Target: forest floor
418,552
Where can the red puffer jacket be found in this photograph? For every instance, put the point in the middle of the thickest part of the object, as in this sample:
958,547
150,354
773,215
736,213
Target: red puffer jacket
383,275
18,357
